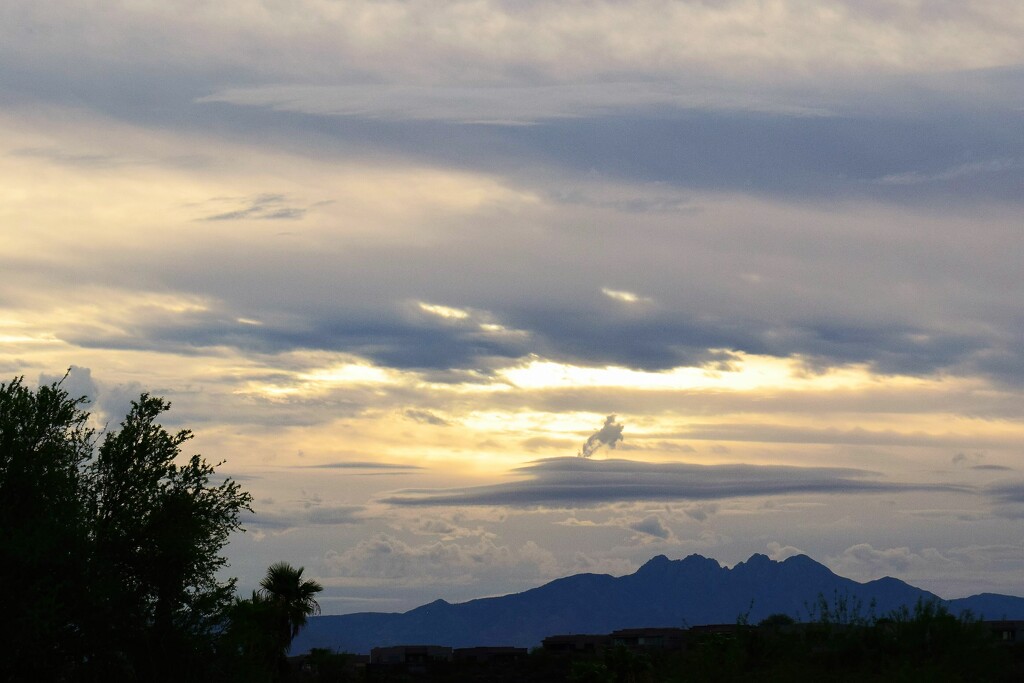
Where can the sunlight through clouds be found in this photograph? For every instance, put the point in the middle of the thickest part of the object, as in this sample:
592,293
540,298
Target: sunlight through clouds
395,262
741,373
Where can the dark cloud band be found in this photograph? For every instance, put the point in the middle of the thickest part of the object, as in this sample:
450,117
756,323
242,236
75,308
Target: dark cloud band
577,482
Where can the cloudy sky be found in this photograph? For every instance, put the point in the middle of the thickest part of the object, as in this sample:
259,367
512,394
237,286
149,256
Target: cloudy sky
397,261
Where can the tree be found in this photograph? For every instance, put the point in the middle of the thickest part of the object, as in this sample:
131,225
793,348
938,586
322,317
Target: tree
292,600
44,442
158,527
115,550
250,649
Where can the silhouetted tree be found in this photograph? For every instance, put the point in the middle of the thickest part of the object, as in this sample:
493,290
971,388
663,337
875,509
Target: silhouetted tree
109,556
292,599
250,648
44,442
158,528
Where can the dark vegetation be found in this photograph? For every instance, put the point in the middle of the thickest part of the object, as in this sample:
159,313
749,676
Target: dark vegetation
110,551
924,644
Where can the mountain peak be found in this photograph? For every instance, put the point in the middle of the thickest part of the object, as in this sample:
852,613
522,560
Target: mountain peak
700,559
656,561
431,606
805,562
657,565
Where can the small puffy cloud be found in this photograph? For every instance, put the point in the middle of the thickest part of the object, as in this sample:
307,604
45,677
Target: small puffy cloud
962,458
652,526
108,403
780,552
863,561
701,511
608,435
78,382
616,566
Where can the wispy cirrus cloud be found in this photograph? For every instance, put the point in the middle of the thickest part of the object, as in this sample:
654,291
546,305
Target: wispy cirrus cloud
265,207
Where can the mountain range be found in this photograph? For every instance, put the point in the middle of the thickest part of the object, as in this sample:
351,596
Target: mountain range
688,592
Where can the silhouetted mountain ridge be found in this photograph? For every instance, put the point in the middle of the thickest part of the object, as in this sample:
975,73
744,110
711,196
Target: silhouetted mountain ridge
687,592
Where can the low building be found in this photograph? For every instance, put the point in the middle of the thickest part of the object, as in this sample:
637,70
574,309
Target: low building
410,654
1007,631
650,638
577,643
489,655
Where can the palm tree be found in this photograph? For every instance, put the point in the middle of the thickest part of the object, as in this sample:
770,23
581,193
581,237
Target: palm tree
293,599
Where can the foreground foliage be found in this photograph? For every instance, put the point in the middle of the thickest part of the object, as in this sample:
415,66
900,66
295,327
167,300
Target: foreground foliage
924,644
109,550
261,628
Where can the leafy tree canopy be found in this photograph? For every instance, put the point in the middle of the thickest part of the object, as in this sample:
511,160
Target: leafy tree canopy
110,550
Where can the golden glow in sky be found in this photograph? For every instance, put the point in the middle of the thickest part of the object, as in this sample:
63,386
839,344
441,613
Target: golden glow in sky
378,250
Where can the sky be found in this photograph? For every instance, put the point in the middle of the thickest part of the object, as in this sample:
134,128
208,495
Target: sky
472,295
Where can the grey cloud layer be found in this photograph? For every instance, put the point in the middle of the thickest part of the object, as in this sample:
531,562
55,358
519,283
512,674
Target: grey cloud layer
932,286
514,105
574,326
576,482
867,145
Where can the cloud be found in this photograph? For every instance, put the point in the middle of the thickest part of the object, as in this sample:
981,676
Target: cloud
559,306
701,512
779,552
78,383
76,159
312,514
992,166
446,312
1010,492
652,526
107,403
961,458
864,149
580,482
262,207
491,41
537,443
425,417
361,465
508,105
864,561
623,296
386,557
608,435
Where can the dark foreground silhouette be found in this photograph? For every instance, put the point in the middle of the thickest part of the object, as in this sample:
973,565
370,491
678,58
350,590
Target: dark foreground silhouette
110,552
672,593
924,644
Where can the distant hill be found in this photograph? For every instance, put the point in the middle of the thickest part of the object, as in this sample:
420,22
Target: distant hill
688,592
